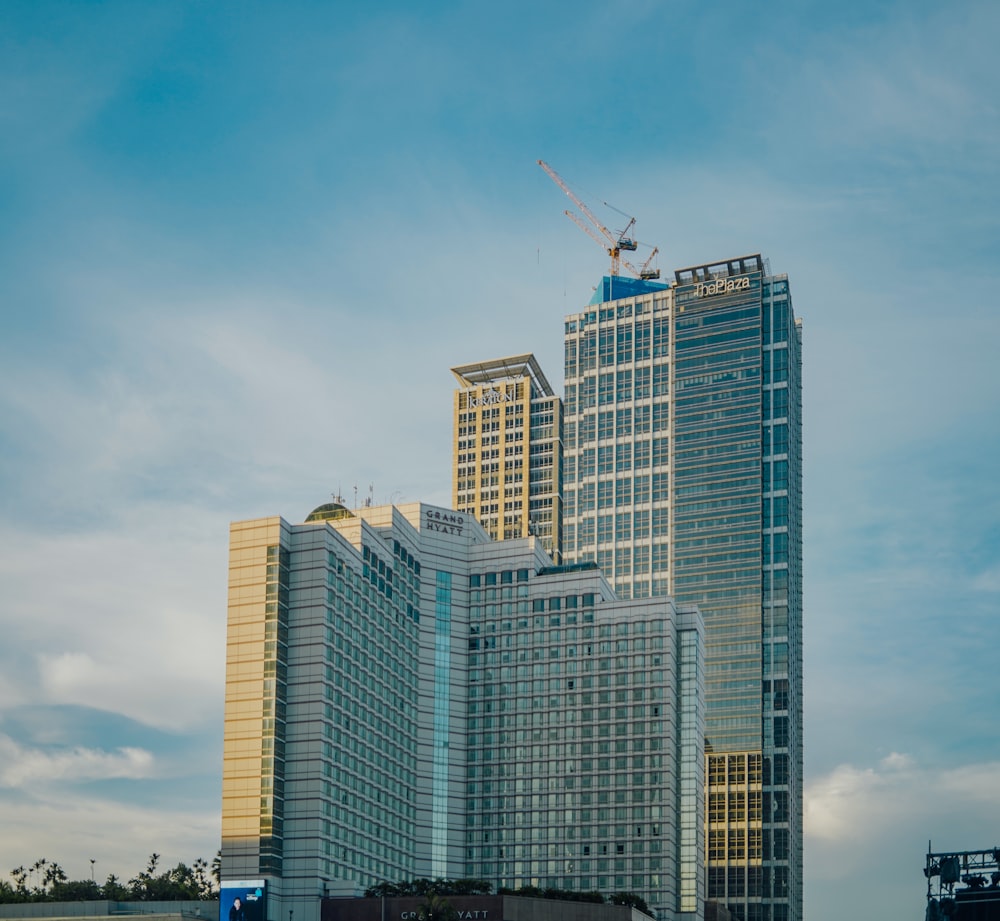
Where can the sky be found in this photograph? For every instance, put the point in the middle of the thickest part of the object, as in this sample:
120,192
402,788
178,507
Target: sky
241,245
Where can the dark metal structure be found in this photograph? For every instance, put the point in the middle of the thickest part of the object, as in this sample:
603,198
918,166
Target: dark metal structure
963,885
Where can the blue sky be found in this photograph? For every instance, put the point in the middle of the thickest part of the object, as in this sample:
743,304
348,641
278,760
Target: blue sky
241,245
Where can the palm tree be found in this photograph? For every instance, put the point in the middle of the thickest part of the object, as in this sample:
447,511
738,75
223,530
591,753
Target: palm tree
436,908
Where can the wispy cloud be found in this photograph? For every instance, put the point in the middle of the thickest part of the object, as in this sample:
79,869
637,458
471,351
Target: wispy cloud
69,828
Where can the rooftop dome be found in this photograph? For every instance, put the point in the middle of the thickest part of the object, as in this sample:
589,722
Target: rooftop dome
329,512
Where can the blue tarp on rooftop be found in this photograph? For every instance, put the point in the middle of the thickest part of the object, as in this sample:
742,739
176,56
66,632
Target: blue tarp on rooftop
613,287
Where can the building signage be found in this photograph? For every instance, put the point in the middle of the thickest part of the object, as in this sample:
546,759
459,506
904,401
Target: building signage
447,522
722,286
489,398
243,900
461,915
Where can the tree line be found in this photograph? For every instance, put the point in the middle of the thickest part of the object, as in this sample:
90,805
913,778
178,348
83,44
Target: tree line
45,881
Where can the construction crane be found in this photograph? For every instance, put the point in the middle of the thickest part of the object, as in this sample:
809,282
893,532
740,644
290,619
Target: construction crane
624,241
613,244
645,272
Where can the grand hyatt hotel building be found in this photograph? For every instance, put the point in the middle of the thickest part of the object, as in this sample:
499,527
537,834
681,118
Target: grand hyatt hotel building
407,698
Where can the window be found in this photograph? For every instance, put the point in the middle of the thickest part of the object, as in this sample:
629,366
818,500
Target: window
642,378
641,419
661,451
661,517
623,526
606,389
661,482
661,380
641,454
640,489
604,528
661,336
661,416
641,525
624,386
642,340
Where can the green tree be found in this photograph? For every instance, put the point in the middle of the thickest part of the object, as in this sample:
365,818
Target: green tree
75,890
182,883
630,899
113,890
204,880
20,875
386,890
436,908
471,887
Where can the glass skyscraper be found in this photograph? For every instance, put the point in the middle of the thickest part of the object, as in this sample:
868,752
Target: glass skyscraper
682,476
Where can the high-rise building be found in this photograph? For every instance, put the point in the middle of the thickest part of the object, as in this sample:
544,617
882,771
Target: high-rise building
407,698
682,476
507,457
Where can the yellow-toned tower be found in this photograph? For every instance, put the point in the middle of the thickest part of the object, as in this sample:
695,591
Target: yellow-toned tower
256,650
507,458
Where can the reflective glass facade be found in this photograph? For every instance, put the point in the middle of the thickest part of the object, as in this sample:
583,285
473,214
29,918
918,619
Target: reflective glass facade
682,476
585,728
442,721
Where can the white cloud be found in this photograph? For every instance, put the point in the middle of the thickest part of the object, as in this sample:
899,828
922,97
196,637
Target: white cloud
856,811
867,828
130,620
21,766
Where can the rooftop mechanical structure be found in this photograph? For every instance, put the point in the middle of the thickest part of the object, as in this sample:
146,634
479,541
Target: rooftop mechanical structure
963,885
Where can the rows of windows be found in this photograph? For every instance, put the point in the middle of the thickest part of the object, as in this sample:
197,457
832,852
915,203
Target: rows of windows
367,727
750,882
273,726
